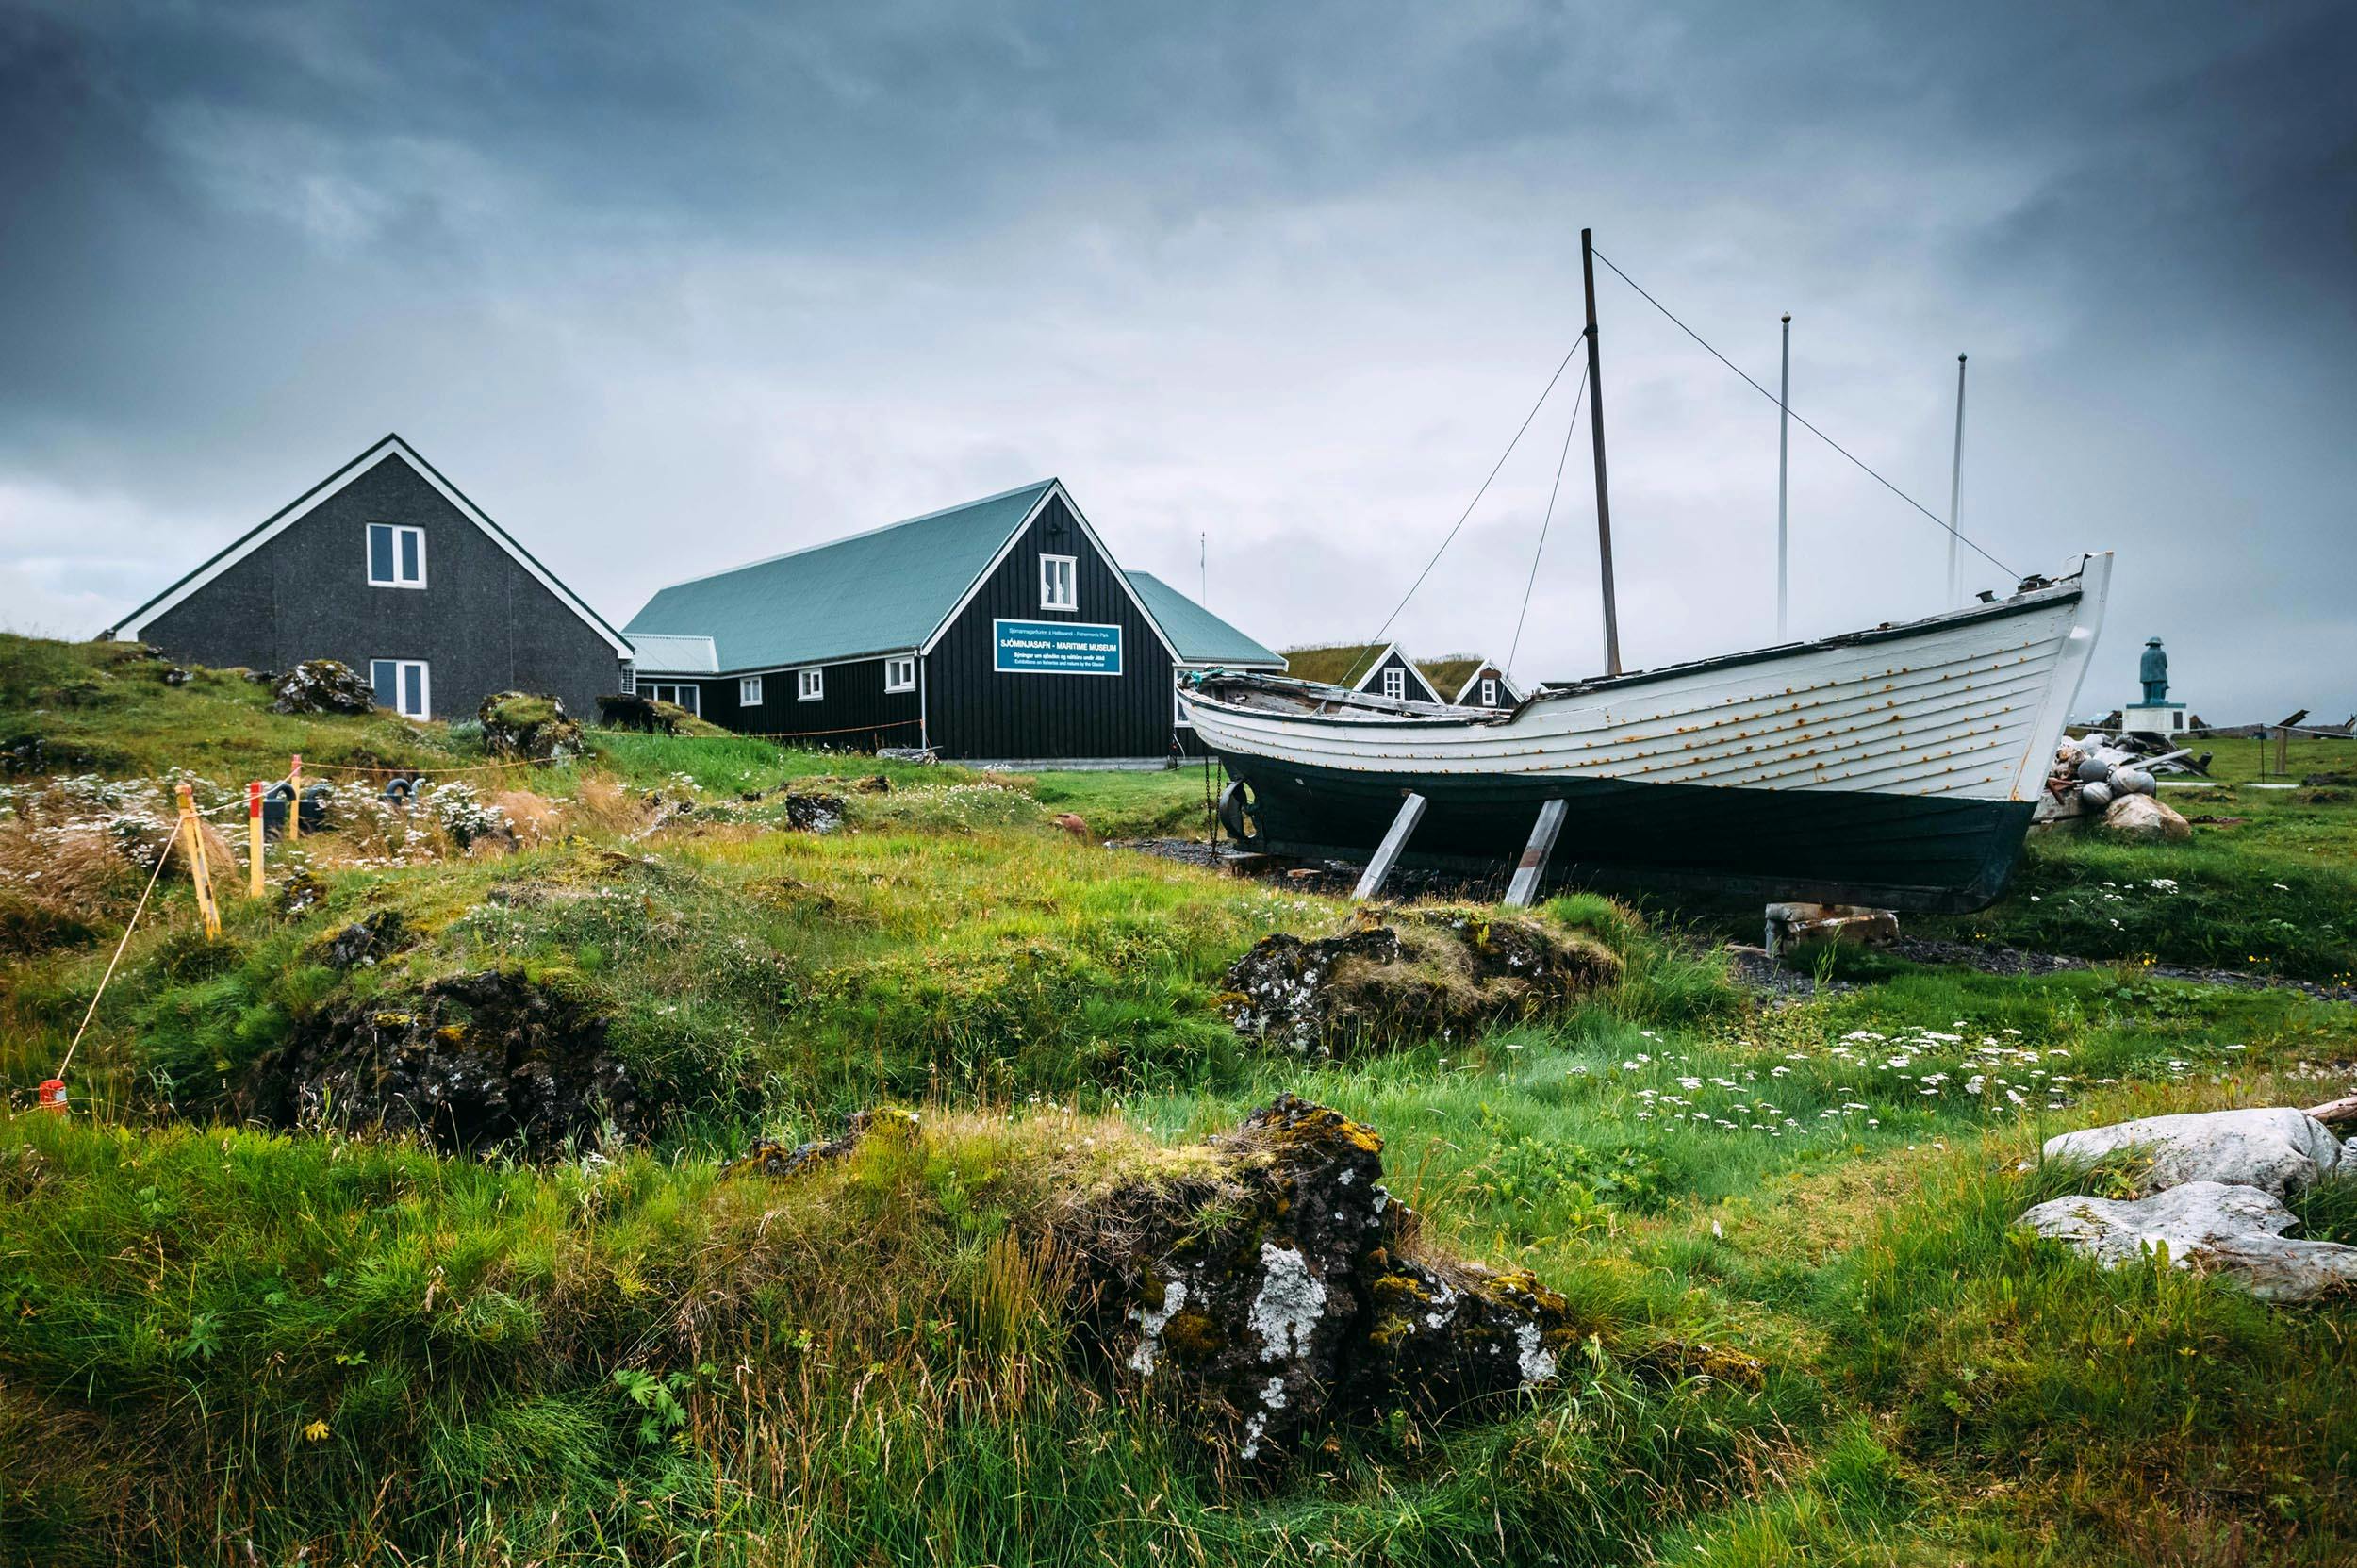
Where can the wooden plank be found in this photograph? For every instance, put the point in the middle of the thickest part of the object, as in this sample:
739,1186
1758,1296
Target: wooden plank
1387,853
1522,891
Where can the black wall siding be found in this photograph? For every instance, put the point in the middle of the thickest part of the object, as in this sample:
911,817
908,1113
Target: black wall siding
482,623
974,712
855,715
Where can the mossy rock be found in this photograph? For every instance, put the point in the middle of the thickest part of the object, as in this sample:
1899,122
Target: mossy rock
322,685
1415,974
528,725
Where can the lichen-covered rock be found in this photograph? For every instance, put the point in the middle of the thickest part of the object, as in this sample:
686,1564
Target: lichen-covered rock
528,725
322,685
2233,1231
1441,1337
1275,1295
472,1061
2276,1149
369,940
812,812
769,1157
1419,973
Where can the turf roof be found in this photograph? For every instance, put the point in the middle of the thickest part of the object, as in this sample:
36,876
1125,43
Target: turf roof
1344,664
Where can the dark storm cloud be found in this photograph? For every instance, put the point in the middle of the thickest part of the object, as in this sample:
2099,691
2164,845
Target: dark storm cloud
670,287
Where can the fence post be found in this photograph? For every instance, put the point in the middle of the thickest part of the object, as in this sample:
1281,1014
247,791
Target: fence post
294,807
254,839
200,869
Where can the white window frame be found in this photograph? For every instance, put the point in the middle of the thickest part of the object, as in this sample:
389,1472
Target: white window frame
1489,693
1395,682
809,686
1057,571
749,692
401,685
368,554
672,691
900,675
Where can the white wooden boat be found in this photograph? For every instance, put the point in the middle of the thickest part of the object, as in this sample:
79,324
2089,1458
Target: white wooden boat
1895,767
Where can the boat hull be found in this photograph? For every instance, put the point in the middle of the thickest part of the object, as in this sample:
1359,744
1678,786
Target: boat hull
1893,852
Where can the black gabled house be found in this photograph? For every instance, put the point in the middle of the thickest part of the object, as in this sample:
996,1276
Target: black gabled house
386,565
1379,668
1001,629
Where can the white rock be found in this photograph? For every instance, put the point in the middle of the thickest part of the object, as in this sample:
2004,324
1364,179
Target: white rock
2277,1148
2144,816
2231,1230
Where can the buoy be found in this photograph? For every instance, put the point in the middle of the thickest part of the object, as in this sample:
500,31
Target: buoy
52,1096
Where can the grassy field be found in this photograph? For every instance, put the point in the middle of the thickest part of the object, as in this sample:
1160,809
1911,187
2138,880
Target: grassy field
1784,1227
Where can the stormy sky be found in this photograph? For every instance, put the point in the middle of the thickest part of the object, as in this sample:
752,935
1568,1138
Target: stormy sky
666,287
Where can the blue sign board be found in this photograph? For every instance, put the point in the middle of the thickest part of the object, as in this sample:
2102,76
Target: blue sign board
1055,647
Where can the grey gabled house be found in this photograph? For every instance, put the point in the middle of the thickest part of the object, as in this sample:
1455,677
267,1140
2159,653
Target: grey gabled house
1000,630
386,565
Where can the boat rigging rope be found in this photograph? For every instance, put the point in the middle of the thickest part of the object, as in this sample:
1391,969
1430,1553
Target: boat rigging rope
1404,598
1570,427
1804,423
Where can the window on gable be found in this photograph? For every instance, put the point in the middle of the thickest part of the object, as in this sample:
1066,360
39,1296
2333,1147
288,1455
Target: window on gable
396,557
1489,694
749,692
404,685
810,684
1395,681
1058,583
899,675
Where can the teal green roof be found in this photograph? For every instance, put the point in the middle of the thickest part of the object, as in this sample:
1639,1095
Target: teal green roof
876,592
1200,636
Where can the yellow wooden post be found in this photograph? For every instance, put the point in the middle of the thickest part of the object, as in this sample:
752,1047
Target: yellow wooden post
294,804
254,839
200,869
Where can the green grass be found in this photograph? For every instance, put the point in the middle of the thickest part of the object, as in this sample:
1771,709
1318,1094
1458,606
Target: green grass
2272,891
1817,1337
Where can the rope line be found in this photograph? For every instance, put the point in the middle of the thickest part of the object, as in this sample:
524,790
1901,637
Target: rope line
1479,493
805,734
1570,429
91,1011
1804,423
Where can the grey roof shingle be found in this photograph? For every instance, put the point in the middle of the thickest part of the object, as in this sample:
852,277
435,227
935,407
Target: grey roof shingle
876,592
1200,636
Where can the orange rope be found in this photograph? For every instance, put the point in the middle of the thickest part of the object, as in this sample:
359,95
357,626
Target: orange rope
802,734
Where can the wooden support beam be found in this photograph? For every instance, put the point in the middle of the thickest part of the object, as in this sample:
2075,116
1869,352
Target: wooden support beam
1387,853
1522,891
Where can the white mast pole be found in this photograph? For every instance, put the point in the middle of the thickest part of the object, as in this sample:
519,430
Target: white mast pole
1784,433
1955,489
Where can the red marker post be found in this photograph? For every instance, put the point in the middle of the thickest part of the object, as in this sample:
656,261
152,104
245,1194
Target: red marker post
52,1096
254,839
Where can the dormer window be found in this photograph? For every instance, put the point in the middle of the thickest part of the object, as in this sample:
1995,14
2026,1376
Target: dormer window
1395,682
396,557
1058,583
1489,694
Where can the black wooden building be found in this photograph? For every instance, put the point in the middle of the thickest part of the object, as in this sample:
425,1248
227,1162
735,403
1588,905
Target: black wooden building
1001,629
387,567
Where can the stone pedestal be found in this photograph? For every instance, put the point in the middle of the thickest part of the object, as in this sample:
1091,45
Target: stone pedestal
2160,718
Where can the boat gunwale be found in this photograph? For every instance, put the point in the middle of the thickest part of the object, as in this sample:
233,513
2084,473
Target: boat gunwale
2059,592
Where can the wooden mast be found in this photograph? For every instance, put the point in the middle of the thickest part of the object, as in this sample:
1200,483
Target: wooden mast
1596,426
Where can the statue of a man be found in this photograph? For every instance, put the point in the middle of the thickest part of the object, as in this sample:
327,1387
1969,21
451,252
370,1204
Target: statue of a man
2153,672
